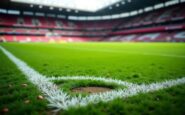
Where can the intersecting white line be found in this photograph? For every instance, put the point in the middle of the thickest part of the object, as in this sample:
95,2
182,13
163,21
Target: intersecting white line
58,99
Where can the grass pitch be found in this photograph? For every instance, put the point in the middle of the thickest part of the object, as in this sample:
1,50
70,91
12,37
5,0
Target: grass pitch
132,62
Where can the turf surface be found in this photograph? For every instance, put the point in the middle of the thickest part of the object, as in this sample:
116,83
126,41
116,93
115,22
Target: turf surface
13,95
138,63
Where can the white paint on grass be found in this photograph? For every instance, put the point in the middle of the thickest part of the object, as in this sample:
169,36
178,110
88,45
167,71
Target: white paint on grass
58,99
106,80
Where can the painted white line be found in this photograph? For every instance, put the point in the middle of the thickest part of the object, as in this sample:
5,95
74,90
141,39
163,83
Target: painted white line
93,78
61,100
127,92
56,97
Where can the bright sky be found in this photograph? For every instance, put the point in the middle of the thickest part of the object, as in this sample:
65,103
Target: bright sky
86,5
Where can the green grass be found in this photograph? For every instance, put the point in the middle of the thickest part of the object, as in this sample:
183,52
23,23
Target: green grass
68,85
164,102
13,95
133,62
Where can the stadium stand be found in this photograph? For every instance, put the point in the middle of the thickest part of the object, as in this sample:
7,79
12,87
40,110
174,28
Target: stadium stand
176,36
163,25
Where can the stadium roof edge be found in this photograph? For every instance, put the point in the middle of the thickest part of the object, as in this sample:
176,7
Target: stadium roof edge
126,6
105,13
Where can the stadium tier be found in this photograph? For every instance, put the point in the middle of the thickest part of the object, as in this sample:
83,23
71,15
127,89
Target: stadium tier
166,24
177,36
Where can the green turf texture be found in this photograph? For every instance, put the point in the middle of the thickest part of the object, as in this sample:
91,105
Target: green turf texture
132,62
68,85
13,95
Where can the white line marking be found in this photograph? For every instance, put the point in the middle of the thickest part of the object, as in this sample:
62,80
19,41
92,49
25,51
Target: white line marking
93,78
61,100
56,97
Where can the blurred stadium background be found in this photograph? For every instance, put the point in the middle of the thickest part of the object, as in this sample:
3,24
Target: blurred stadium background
82,20
33,62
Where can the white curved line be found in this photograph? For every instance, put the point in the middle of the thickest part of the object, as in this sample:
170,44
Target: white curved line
61,100
93,78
